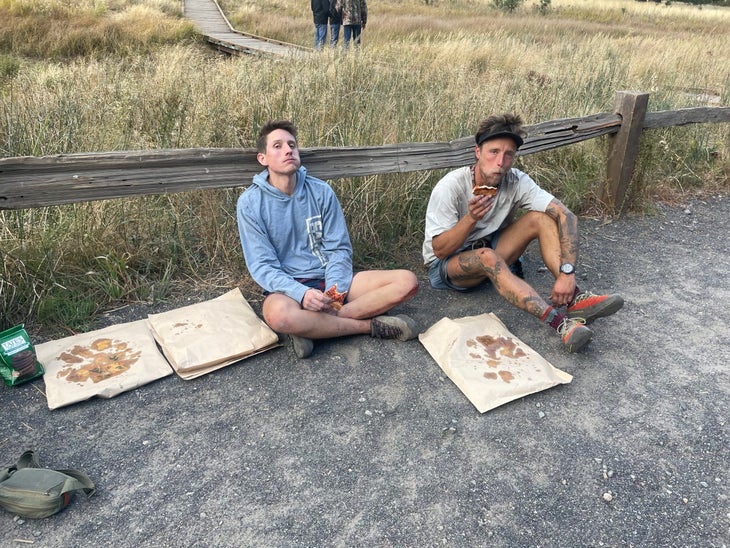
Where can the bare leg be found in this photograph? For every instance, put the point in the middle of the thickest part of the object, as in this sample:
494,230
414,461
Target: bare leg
285,315
533,225
374,292
469,266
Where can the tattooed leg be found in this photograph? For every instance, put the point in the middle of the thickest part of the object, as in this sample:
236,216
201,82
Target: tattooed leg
472,267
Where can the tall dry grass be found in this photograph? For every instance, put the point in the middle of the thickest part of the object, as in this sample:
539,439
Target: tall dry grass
426,72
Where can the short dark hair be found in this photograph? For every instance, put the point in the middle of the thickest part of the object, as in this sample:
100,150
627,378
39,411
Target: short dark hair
270,126
501,125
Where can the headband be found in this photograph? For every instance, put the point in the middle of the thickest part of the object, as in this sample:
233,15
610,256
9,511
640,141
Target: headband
486,136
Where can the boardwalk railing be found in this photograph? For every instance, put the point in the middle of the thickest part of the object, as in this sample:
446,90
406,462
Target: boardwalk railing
27,182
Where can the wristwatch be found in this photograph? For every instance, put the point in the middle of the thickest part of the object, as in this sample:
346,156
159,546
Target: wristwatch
567,268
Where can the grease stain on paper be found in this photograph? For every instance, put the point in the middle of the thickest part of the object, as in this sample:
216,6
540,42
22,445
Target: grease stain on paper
496,349
102,359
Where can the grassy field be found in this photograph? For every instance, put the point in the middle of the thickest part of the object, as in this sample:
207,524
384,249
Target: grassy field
121,75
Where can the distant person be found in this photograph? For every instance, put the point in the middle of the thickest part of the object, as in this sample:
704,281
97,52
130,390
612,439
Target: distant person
354,18
471,238
297,248
335,23
321,15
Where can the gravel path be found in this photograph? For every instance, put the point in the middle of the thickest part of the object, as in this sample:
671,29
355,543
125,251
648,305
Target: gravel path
369,444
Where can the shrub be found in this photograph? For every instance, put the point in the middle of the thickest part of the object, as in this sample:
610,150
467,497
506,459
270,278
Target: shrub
507,5
9,67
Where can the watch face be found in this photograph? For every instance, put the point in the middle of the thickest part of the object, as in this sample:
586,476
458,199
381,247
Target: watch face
567,268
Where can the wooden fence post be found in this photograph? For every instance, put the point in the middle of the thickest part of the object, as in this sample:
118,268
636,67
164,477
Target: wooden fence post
623,148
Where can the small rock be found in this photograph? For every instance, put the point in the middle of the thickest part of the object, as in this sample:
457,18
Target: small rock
608,497
541,415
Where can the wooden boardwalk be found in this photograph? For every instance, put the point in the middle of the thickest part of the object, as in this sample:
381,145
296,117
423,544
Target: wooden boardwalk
208,17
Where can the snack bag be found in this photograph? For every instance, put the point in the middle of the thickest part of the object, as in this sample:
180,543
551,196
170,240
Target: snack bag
18,362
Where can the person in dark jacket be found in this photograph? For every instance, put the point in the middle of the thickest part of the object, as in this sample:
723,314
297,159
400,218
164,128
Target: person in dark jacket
321,15
335,23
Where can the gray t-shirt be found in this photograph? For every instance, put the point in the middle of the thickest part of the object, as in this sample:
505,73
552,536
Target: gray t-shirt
449,202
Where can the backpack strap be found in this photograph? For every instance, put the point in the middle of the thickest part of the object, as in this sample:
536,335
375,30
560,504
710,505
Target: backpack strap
26,460
78,480
29,459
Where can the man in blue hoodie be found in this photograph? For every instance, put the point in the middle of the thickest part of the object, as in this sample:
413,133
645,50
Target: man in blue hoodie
297,248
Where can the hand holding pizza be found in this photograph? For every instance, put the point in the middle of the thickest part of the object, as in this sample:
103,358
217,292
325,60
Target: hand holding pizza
338,299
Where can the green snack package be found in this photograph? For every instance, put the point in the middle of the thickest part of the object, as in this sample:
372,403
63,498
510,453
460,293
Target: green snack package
18,362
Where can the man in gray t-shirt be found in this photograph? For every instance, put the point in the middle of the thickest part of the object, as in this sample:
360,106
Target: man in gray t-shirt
472,236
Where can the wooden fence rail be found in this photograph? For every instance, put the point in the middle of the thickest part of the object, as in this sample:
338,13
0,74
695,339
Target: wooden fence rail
27,182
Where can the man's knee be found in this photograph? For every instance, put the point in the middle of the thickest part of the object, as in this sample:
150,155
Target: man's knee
277,314
408,283
488,257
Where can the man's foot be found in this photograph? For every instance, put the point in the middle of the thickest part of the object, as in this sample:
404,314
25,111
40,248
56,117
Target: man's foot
302,346
589,306
399,327
575,334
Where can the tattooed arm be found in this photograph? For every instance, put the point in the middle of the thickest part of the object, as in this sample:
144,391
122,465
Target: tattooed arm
567,224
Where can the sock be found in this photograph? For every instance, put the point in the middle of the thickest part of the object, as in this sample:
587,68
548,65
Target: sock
575,294
552,317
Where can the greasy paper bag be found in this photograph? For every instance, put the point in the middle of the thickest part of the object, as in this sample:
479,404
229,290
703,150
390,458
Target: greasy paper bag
488,363
100,363
206,336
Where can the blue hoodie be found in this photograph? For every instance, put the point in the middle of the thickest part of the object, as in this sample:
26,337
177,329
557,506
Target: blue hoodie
299,236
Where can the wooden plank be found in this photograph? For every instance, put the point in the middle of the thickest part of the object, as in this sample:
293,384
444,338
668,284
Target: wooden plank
624,148
70,178
698,115
213,24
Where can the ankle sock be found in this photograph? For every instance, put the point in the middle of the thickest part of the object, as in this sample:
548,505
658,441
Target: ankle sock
575,294
553,318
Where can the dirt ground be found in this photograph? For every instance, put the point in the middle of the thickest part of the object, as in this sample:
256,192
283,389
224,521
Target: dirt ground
368,443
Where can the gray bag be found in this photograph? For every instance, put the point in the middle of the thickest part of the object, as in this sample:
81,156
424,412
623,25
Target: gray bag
30,491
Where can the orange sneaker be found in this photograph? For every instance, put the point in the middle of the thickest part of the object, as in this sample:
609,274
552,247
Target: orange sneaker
588,306
575,334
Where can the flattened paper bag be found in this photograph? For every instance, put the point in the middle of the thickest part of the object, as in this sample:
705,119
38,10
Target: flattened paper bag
203,337
100,363
488,363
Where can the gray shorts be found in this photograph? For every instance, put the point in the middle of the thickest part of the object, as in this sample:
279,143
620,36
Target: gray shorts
437,269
